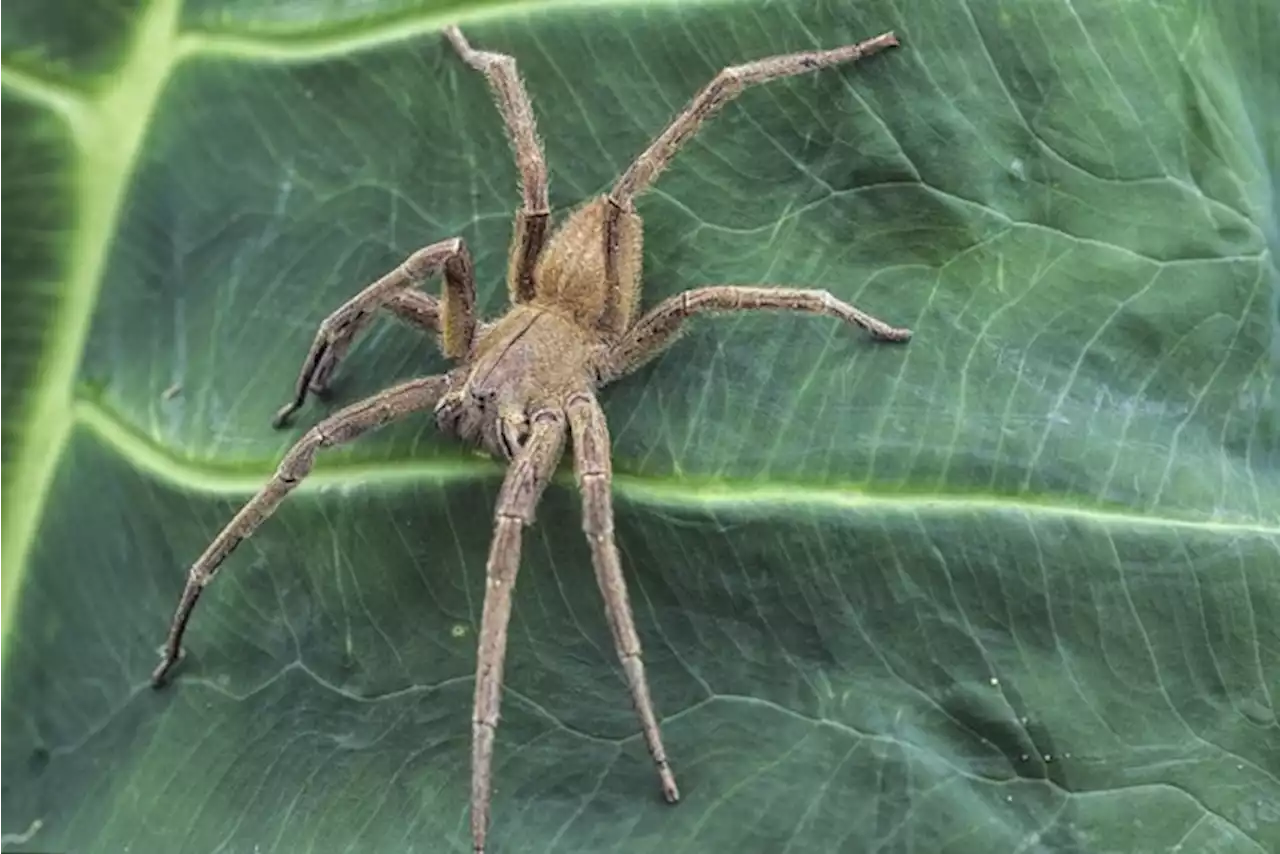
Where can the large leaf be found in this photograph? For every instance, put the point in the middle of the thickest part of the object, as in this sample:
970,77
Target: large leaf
1012,587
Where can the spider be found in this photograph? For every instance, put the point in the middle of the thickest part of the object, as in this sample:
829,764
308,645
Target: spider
527,381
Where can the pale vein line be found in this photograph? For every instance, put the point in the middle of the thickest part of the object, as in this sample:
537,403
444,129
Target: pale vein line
1069,381
748,495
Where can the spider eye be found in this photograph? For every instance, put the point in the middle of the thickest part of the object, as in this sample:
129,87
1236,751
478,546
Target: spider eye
481,397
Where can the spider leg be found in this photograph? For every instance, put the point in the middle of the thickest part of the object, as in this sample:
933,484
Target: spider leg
455,320
534,217
414,307
526,479
723,88
658,329
339,428
595,475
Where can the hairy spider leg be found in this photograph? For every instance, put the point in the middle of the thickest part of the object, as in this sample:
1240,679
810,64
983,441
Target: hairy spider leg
339,428
724,87
454,319
418,309
533,219
658,329
594,471
525,481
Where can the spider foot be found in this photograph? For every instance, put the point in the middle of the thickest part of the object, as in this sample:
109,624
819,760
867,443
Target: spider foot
168,661
892,334
284,415
670,792
330,346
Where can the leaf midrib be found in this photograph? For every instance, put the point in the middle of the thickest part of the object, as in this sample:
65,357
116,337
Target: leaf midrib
160,462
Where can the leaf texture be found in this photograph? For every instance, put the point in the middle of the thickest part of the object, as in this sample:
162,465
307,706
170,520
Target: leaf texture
1012,587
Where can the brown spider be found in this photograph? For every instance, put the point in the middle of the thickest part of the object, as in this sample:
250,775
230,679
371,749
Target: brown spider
528,378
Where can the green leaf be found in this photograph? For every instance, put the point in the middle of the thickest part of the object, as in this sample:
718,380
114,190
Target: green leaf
1012,587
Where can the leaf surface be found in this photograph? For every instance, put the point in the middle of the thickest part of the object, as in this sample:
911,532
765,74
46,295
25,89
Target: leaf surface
1012,587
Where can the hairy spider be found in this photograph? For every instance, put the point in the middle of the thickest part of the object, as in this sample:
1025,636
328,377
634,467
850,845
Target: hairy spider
526,380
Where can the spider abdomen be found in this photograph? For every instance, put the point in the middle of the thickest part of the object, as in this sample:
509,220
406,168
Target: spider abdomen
578,276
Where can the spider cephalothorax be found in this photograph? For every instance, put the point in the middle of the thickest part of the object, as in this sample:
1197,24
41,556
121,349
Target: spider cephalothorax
526,382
